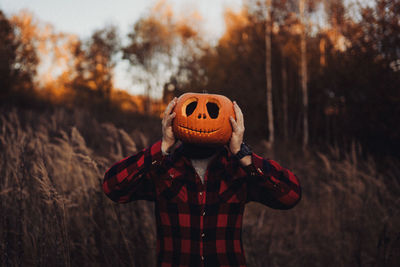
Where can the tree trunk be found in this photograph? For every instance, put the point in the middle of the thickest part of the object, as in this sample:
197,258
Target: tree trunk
268,73
147,103
284,98
303,75
322,56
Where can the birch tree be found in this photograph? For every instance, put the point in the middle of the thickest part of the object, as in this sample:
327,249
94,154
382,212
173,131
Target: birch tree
303,74
284,97
268,72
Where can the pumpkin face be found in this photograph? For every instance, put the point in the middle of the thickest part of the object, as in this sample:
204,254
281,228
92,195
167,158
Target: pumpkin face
203,119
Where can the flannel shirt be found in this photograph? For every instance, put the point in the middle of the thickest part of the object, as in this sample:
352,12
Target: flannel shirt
200,224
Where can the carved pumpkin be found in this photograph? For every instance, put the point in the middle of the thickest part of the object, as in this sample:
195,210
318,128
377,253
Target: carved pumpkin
203,119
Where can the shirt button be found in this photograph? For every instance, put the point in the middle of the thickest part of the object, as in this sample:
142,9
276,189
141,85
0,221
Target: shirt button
203,235
204,213
202,258
201,193
154,162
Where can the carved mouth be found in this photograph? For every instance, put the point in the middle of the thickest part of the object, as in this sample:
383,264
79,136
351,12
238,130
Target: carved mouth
198,131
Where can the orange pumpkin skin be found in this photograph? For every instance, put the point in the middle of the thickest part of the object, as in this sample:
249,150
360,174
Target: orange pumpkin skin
203,119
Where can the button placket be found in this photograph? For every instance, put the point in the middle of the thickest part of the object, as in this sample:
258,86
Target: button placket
202,202
202,195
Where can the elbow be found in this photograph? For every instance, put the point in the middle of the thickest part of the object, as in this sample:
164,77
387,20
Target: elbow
108,190
106,182
293,203
293,196
291,199
114,195
113,191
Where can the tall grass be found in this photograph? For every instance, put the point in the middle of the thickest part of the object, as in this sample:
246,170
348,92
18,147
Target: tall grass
54,213
349,216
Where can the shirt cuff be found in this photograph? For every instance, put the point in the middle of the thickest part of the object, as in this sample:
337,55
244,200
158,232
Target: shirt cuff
255,168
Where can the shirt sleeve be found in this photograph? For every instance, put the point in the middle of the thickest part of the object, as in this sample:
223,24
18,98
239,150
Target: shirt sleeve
271,184
131,178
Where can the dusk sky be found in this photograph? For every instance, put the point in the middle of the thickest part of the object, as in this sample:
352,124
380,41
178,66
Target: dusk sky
82,17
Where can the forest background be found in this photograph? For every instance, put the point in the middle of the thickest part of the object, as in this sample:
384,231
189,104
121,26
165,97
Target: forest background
319,86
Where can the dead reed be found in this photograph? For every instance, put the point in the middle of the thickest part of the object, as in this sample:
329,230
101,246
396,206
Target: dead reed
54,213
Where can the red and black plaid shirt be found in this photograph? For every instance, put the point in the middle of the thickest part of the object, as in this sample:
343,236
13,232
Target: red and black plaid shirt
200,224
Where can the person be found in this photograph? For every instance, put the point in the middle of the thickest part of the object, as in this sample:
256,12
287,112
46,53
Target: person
200,193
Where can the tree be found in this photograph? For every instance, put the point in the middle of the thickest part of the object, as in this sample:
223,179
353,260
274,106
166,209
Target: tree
161,47
284,97
28,40
303,74
93,68
18,55
150,48
236,68
7,55
268,71
371,92
102,47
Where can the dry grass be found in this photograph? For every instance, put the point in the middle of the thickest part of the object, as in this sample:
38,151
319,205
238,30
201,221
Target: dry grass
54,213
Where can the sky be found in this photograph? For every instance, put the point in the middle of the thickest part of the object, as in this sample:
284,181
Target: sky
82,17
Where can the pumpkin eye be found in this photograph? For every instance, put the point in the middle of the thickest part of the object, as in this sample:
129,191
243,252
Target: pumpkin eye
190,108
213,110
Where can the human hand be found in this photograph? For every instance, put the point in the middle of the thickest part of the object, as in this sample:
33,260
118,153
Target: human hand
237,134
168,138
237,129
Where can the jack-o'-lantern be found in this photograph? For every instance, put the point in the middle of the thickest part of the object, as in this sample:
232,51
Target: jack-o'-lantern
203,119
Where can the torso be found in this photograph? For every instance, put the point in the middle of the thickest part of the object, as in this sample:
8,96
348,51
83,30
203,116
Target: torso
199,219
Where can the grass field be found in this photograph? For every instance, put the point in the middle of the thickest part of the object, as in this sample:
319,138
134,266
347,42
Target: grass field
54,213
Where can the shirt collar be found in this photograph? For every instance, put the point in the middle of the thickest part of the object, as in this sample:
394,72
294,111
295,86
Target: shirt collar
224,161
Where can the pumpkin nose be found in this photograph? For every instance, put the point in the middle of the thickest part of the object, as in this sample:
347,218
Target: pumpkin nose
200,115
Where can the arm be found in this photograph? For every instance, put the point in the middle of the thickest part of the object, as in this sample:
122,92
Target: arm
132,178
271,184
267,182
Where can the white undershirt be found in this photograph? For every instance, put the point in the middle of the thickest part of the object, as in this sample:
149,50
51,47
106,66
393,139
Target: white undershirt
200,165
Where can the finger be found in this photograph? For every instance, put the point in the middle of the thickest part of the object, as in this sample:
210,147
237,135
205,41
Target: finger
234,124
170,106
168,120
239,114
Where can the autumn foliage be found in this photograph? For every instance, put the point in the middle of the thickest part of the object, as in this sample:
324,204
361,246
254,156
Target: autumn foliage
63,122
